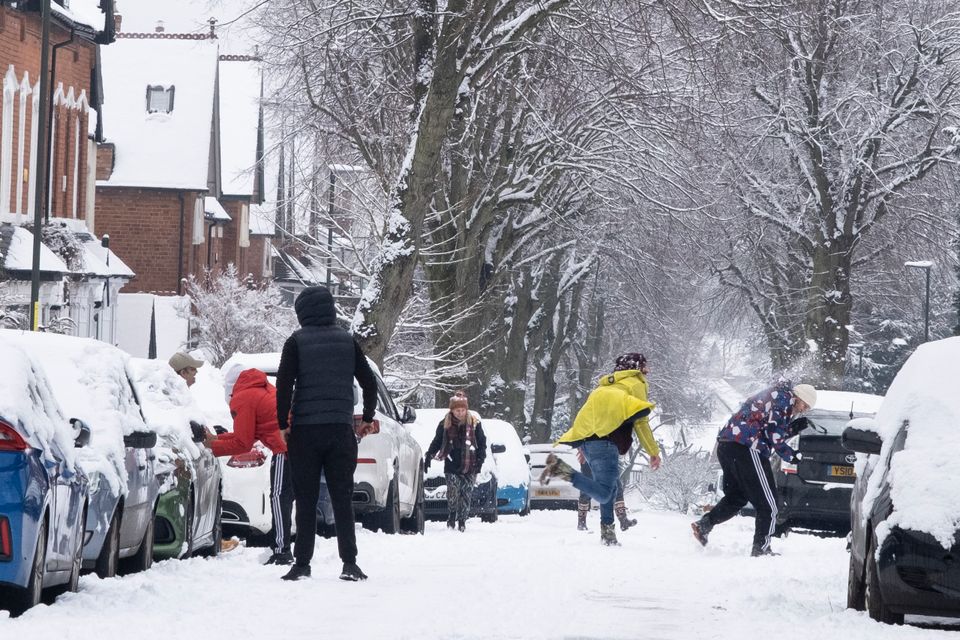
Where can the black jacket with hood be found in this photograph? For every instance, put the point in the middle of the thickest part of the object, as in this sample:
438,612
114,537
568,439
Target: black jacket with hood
318,365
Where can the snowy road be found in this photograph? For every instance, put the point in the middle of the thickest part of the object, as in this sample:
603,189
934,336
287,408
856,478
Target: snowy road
534,577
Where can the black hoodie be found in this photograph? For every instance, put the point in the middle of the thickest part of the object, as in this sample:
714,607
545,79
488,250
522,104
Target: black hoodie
318,365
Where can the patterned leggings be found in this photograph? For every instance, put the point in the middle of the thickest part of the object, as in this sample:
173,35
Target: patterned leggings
459,493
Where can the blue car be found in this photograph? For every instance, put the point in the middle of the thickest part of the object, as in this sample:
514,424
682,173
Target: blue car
43,493
513,467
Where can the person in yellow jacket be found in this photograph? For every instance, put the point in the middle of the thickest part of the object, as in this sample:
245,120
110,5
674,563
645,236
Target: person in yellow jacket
603,431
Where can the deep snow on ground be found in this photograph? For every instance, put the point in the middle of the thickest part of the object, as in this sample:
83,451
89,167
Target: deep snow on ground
533,577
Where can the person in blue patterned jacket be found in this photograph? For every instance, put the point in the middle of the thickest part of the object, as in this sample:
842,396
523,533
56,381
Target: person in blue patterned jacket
764,422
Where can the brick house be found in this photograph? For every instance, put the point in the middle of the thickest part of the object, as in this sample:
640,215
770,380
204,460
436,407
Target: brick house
160,158
177,178
76,280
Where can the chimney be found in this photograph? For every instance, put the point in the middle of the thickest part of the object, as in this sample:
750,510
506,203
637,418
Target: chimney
117,21
159,28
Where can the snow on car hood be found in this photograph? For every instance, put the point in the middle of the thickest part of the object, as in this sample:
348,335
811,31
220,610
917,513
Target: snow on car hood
924,476
167,404
89,379
23,379
512,467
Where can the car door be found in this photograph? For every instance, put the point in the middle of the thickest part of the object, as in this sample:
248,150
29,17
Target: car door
205,485
141,478
60,537
389,413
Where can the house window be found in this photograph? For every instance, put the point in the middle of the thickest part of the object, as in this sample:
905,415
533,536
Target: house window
159,99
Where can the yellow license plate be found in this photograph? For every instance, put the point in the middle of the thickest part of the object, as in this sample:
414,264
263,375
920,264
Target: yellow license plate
548,492
842,471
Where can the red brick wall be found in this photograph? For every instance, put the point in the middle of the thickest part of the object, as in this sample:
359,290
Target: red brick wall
232,252
144,229
20,46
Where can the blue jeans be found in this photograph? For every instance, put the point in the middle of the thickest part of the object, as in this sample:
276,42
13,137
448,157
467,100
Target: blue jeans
604,461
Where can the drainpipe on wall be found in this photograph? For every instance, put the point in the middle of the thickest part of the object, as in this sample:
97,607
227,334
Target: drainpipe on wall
180,248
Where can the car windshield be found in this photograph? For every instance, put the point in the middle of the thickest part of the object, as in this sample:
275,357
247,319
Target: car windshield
831,423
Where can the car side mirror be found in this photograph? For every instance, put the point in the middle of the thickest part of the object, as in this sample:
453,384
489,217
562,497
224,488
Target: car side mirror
861,436
140,440
408,414
498,448
83,433
199,433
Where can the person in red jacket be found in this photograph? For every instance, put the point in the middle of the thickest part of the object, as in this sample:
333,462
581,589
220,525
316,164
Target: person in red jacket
253,405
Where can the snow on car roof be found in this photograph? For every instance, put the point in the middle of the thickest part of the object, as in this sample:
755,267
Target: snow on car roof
43,425
924,476
167,403
89,380
842,401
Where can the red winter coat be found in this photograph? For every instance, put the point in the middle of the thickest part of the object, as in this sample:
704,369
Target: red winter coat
254,409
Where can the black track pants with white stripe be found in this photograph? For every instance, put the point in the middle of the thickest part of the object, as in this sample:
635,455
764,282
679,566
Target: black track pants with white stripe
281,501
747,478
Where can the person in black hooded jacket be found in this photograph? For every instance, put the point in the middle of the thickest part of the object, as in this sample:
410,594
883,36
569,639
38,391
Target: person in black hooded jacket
315,410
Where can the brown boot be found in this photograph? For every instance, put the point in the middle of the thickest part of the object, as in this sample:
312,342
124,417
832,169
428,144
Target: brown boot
582,511
621,510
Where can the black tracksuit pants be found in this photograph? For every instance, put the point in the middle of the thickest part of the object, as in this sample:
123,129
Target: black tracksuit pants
281,501
331,449
747,477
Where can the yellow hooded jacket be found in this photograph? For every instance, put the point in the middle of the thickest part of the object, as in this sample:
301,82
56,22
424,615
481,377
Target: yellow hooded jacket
618,397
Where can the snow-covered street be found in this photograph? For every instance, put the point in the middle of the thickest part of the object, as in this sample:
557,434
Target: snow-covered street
534,577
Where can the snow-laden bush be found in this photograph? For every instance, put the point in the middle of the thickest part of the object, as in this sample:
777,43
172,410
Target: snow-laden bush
682,480
234,315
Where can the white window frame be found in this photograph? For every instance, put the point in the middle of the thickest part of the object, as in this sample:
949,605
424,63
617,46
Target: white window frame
10,86
25,91
244,225
160,93
198,221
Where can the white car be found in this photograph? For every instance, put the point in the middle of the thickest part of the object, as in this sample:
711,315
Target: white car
388,483
558,494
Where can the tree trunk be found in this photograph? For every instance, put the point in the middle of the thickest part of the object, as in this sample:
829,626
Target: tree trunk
829,306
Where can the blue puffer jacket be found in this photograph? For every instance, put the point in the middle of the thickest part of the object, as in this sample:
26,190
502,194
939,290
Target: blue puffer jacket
762,422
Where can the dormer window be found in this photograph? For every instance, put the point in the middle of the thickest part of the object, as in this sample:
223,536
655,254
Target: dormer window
159,99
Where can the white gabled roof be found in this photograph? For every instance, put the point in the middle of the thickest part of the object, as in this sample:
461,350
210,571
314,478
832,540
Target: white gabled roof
240,83
263,220
213,209
157,149
18,256
83,12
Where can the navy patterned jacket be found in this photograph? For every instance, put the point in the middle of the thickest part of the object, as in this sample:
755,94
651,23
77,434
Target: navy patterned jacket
762,422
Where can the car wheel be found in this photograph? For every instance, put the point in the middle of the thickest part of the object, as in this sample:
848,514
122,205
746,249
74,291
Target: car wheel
109,557
415,523
143,558
390,516
873,597
855,587
31,594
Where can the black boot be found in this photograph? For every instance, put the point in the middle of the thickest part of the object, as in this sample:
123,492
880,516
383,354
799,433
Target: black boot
451,522
608,535
621,510
284,557
758,551
582,511
297,572
352,572
701,529
462,525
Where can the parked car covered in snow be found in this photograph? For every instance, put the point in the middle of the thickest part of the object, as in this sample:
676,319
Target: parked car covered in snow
815,494
513,468
905,513
188,512
91,382
43,491
559,494
483,501
388,482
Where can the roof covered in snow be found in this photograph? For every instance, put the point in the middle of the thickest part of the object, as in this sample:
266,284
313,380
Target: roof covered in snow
16,252
240,85
160,150
83,13
214,210
235,26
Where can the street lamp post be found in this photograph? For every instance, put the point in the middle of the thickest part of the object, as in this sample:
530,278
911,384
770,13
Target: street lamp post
926,265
